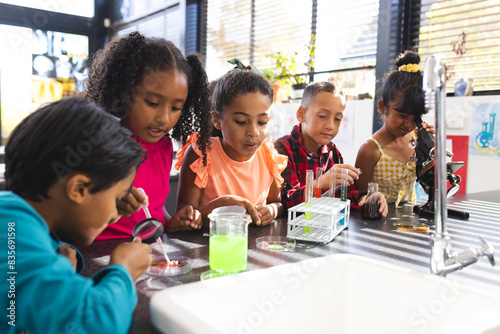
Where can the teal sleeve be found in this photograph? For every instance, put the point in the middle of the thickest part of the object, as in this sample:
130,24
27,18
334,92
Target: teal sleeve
49,296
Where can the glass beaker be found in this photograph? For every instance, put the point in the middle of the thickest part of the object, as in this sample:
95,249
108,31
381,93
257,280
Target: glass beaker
370,210
228,243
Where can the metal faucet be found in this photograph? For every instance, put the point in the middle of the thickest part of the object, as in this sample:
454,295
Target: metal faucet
443,259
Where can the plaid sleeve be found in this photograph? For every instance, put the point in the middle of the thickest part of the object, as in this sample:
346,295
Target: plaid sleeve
291,190
354,195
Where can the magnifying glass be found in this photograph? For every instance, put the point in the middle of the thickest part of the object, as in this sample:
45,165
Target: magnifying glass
149,230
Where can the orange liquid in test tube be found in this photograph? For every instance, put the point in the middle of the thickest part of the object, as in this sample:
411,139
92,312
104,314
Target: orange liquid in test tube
317,184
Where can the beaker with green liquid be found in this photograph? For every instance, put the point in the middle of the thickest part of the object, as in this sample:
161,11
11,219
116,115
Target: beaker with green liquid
228,243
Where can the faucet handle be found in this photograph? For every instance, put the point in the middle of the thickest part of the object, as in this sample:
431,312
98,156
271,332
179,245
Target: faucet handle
487,250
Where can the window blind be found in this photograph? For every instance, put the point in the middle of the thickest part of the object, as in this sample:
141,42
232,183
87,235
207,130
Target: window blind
465,34
227,35
167,23
345,33
282,26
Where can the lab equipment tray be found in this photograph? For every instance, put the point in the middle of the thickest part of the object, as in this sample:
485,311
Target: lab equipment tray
328,217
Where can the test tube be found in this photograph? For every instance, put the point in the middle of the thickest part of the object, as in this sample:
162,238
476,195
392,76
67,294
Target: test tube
333,182
317,185
343,185
308,192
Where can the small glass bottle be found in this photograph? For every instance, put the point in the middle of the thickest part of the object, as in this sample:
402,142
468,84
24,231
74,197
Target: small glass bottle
370,210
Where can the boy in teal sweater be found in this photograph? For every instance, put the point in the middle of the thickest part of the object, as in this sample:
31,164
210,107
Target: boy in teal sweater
68,165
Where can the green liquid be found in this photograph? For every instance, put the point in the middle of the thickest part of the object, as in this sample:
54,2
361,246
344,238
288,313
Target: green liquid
228,253
343,193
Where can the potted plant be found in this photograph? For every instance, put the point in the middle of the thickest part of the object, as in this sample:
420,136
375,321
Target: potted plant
301,80
285,74
286,69
271,76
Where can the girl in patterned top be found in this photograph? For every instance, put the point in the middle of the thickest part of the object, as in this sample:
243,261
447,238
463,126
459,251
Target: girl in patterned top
242,168
388,158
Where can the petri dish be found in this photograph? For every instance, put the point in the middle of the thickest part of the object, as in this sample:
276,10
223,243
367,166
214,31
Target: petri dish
275,244
209,274
160,267
410,227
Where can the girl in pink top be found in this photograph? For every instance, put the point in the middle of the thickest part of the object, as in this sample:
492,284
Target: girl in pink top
242,166
152,88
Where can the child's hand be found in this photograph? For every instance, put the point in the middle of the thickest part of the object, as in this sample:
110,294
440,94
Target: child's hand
227,200
131,203
134,256
185,217
68,252
353,174
383,208
251,210
267,212
429,128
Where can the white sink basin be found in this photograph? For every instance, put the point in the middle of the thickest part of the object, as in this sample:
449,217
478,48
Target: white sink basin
334,294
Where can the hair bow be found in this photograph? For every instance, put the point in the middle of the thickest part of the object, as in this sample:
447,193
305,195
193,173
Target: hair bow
240,67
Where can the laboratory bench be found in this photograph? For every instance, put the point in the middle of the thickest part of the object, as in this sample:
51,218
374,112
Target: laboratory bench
374,239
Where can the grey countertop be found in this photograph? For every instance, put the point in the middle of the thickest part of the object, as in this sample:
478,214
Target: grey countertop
378,240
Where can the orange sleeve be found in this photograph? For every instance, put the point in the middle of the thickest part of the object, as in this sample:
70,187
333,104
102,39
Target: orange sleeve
202,172
182,151
276,163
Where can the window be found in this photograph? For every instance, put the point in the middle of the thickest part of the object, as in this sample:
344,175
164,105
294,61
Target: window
465,34
166,20
228,34
84,8
344,34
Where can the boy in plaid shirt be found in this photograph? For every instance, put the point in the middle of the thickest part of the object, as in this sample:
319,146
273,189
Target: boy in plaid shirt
310,146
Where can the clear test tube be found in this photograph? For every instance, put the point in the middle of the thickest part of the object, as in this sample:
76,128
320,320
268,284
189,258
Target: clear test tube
308,191
333,182
317,185
344,184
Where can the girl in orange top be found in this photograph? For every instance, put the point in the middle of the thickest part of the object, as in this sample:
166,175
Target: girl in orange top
242,167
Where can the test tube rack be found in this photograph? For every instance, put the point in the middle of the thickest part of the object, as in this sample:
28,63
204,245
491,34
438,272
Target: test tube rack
328,217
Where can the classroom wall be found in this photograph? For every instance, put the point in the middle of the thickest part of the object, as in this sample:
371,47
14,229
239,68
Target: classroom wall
482,171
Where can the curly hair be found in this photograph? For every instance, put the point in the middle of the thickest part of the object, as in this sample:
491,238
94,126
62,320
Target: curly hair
407,85
117,70
234,84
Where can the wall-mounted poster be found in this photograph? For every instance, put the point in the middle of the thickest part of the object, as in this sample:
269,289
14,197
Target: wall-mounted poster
458,145
484,130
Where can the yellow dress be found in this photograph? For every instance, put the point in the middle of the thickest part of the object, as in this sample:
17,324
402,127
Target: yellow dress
396,180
